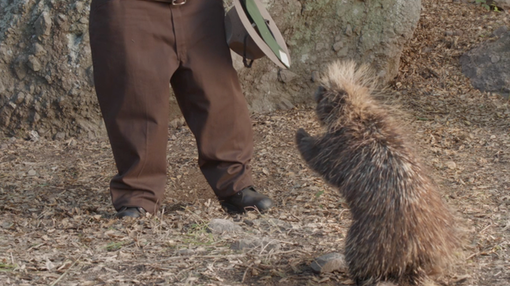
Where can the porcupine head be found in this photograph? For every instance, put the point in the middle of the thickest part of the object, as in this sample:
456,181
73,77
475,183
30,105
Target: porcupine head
342,102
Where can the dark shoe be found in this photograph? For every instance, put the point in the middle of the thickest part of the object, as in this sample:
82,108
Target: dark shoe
130,212
247,199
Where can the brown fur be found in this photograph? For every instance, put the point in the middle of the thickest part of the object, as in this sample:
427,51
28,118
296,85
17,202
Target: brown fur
401,229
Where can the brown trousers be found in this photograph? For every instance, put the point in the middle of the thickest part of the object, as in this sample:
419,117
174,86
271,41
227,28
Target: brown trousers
138,48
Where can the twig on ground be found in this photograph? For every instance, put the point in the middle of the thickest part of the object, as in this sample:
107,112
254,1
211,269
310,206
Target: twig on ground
244,275
68,269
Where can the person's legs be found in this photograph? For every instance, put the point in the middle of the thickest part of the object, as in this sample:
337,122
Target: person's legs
210,97
133,55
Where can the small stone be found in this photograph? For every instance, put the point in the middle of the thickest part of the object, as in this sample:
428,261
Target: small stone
33,135
84,20
337,46
221,226
19,98
315,76
495,58
451,165
185,252
28,99
285,104
60,136
176,123
32,173
48,78
43,24
329,262
343,52
19,68
79,6
348,30
286,76
38,50
33,63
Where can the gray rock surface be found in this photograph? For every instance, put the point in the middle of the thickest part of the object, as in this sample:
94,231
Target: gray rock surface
45,69
488,65
329,262
221,226
46,80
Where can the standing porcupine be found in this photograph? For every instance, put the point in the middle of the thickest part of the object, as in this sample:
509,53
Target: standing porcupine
401,230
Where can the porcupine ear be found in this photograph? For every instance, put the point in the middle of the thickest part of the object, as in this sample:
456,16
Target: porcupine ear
326,108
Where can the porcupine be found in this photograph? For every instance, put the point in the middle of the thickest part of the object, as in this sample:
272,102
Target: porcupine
401,229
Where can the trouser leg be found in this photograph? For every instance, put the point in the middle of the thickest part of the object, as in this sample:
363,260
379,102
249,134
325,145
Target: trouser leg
133,57
209,95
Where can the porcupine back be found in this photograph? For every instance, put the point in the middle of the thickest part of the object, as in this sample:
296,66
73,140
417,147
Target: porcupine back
401,229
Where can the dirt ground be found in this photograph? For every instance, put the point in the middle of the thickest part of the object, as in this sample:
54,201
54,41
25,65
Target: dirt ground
57,225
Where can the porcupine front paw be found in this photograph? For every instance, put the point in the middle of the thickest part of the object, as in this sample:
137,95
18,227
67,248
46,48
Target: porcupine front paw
306,145
300,135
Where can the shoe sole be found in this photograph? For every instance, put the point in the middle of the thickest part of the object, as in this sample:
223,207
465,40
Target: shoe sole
232,208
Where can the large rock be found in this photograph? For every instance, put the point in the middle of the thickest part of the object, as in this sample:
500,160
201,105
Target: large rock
321,31
488,65
46,80
46,72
